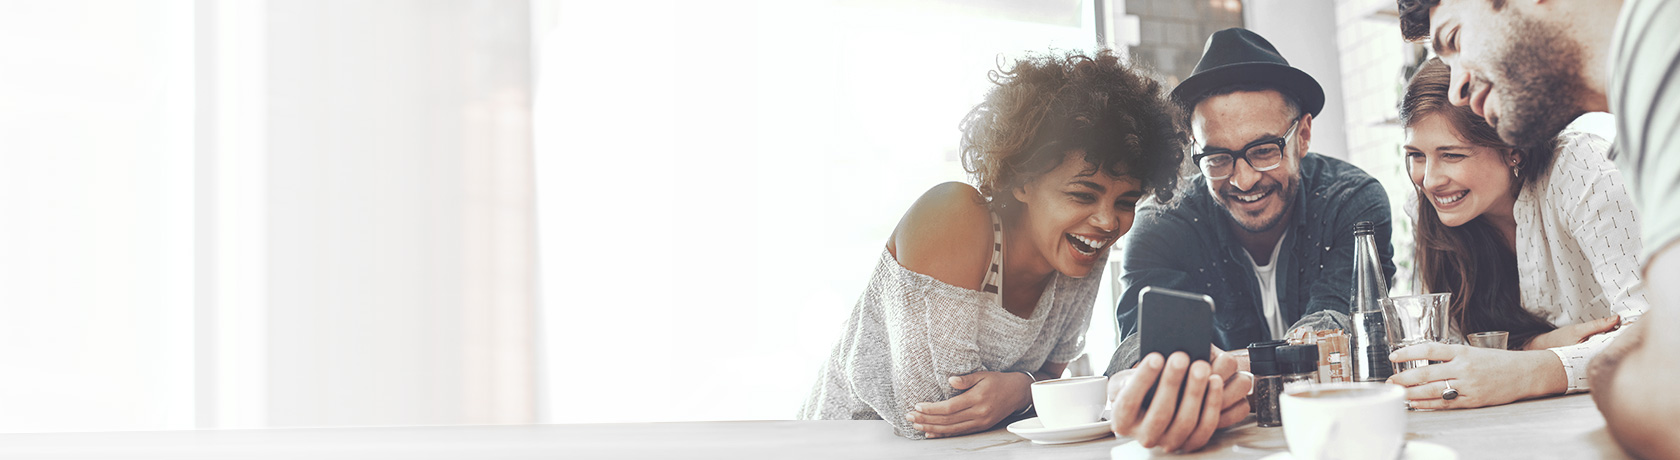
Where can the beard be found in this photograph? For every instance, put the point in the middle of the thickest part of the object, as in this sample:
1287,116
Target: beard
1542,89
1267,223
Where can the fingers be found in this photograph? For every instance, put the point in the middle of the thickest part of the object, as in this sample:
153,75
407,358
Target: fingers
1117,382
1237,388
1224,365
1129,402
964,382
1234,413
1431,390
960,428
1574,333
924,418
1424,375
1190,410
1210,419
1156,421
1462,402
1431,351
1455,403
1598,326
948,407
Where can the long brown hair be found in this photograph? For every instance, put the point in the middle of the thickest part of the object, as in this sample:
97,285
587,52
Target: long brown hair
1472,260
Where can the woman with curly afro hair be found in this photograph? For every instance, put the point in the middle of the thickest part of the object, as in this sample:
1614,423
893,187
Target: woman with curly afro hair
984,288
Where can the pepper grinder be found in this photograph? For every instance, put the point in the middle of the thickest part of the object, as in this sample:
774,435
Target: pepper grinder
1268,382
1299,365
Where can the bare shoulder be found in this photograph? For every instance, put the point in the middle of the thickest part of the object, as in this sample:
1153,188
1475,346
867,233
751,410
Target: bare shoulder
946,234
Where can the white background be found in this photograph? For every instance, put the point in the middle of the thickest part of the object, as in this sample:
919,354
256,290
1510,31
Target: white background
232,214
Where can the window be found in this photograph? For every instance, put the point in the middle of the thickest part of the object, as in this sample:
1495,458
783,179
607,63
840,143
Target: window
716,181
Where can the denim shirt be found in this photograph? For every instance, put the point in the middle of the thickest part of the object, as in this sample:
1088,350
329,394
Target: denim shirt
1187,244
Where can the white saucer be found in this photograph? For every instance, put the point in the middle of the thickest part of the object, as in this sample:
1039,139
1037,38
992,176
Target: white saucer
1415,450
1034,430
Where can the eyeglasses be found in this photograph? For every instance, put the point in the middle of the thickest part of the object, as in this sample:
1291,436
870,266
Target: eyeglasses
1264,155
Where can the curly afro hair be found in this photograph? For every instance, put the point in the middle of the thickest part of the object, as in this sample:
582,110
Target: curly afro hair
1047,105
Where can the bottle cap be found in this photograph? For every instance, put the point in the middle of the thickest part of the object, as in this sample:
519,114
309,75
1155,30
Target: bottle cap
1364,228
1298,358
1262,357
1264,351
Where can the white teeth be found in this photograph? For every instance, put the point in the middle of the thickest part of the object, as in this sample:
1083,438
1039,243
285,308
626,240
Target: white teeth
1452,199
1090,242
1251,198
1094,244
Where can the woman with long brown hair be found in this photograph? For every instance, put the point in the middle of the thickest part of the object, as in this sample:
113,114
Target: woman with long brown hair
1542,244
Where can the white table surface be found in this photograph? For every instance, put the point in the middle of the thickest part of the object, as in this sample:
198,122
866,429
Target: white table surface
1559,427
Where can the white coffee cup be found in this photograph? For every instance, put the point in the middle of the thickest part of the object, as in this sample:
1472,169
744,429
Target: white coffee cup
1345,421
1070,401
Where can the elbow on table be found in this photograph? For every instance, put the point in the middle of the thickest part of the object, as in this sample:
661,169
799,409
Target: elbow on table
1641,411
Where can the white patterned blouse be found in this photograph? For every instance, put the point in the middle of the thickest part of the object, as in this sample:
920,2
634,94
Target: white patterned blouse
1578,247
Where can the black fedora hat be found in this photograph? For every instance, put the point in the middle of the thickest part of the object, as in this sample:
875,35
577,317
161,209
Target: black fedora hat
1238,55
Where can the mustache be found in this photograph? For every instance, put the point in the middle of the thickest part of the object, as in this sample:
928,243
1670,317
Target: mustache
1232,190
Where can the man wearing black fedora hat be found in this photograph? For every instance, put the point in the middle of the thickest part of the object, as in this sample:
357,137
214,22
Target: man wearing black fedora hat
1265,229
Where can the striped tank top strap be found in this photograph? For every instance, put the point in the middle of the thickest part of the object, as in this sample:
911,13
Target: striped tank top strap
994,274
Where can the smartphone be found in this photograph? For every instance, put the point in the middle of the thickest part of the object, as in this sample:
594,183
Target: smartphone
1171,320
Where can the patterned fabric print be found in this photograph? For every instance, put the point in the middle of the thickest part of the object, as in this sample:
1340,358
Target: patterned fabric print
994,276
1578,249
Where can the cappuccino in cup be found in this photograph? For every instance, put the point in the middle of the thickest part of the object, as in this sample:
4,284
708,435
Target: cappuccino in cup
1351,421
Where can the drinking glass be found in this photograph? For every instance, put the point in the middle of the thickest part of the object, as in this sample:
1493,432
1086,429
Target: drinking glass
1489,339
1412,320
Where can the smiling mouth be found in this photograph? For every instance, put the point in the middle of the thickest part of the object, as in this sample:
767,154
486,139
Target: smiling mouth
1450,199
1085,245
1251,197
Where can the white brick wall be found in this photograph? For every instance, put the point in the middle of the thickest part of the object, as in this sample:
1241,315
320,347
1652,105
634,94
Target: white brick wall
1372,54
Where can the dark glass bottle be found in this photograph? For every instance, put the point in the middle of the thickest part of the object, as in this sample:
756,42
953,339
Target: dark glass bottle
1370,339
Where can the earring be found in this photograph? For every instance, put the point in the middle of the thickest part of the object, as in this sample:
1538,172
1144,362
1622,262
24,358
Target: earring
1514,170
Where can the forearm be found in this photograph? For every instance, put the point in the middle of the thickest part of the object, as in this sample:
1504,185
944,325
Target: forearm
929,339
1324,319
1546,375
1576,359
1125,356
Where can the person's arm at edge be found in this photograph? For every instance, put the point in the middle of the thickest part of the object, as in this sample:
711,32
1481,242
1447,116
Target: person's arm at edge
1633,376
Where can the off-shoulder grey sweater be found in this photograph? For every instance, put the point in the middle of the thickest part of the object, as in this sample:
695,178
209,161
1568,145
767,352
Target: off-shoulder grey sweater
909,333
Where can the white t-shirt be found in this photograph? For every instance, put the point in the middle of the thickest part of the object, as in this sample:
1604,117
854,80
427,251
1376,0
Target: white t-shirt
1267,275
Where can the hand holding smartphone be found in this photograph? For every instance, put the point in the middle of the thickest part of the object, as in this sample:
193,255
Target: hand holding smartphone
1171,320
